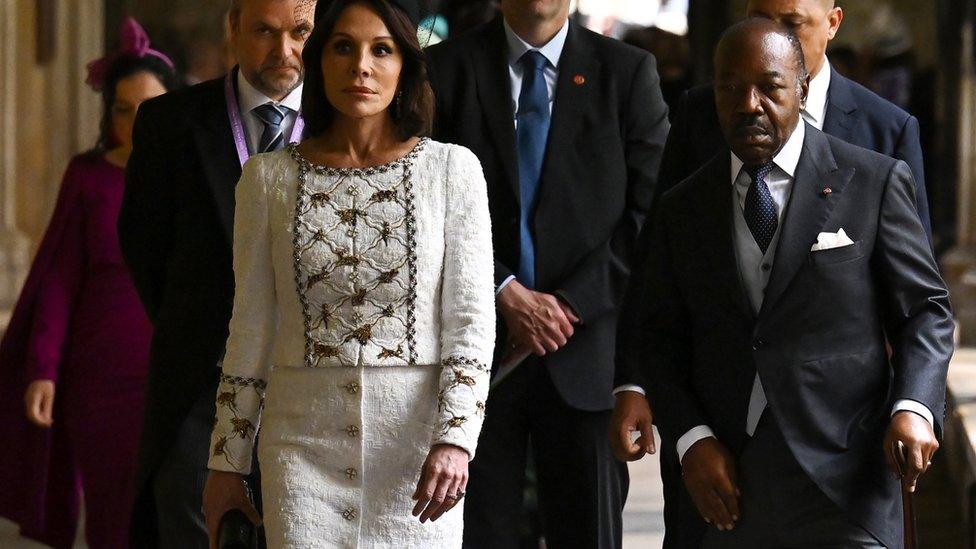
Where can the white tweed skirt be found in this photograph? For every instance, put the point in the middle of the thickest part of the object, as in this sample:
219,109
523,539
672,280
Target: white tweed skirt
340,451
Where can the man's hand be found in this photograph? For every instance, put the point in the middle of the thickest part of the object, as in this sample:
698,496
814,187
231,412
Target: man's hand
916,434
222,492
535,321
710,477
631,413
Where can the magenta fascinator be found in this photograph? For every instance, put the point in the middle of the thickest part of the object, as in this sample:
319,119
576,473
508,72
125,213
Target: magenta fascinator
133,42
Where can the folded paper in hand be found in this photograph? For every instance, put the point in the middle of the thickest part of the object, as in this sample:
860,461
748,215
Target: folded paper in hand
827,241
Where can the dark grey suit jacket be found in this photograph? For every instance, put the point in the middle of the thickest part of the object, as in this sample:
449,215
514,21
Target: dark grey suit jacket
818,341
609,125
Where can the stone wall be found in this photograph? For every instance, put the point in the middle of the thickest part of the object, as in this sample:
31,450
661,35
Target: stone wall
47,115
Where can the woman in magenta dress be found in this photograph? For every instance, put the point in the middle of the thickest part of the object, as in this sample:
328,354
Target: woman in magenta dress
77,347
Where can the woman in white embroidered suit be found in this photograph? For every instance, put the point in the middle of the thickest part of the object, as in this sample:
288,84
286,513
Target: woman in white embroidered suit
363,321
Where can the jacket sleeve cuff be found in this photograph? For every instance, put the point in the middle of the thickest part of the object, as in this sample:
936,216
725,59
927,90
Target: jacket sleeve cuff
461,403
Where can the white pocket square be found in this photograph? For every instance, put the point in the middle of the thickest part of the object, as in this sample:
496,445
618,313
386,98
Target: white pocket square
828,241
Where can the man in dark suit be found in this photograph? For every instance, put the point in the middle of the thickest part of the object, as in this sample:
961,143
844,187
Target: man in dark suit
176,229
777,272
569,127
836,105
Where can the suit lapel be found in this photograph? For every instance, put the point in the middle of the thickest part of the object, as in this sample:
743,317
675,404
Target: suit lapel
808,211
841,108
578,73
495,96
715,210
218,157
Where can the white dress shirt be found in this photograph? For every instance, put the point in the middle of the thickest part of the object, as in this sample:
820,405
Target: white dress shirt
249,98
552,51
815,109
755,268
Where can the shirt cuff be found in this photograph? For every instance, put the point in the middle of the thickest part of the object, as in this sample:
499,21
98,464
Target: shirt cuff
629,387
693,435
909,405
504,283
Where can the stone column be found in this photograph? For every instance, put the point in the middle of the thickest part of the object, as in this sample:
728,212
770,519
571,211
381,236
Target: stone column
960,263
14,245
63,131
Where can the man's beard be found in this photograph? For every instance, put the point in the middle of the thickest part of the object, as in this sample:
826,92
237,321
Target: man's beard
278,86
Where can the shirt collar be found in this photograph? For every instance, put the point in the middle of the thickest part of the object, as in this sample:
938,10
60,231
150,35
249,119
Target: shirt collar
552,50
250,98
816,106
786,159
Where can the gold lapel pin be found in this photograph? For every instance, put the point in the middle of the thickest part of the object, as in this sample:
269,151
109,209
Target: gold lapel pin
579,80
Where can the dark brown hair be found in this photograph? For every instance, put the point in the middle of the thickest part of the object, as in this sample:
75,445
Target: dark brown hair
122,68
415,114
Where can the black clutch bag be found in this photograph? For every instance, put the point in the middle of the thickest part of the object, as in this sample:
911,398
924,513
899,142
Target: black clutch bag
236,531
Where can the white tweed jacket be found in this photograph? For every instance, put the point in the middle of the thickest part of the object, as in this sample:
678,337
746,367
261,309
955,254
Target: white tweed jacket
338,268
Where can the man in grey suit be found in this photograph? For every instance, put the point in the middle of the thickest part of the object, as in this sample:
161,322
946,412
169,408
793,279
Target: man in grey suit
777,272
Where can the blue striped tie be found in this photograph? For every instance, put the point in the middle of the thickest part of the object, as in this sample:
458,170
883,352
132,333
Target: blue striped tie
533,131
272,116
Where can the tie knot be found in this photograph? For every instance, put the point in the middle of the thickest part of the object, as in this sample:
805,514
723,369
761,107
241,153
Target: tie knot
759,173
270,114
533,60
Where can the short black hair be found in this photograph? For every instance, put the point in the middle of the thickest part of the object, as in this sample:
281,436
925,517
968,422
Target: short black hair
415,115
767,25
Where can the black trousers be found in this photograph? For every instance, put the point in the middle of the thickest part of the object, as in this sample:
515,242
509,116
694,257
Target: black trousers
684,526
782,508
581,486
177,486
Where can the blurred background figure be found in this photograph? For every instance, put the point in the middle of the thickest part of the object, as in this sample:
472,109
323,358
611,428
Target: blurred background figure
846,60
79,338
671,52
464,15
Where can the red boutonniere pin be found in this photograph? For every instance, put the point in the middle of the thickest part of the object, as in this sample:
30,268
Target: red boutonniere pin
579,80
827,191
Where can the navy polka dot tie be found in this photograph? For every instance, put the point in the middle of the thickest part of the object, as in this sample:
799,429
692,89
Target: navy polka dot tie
760,210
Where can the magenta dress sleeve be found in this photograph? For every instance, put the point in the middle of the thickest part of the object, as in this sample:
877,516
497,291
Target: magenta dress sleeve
61,264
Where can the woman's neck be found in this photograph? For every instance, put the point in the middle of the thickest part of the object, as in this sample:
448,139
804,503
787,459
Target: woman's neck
118,156
362,142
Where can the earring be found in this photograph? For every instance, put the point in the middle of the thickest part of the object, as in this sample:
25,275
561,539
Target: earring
396,110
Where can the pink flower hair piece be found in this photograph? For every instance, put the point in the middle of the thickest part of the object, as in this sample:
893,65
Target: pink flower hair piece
133,42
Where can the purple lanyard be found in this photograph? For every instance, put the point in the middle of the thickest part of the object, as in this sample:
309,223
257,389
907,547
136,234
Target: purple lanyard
237,125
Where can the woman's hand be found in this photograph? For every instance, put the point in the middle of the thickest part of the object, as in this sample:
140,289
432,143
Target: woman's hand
443,479
39,400
225,491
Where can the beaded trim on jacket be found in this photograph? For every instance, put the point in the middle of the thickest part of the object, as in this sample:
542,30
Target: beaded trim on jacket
373,282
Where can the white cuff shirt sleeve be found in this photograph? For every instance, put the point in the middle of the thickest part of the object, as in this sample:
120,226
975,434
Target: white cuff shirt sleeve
504,283
688,439
908,405
631,387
